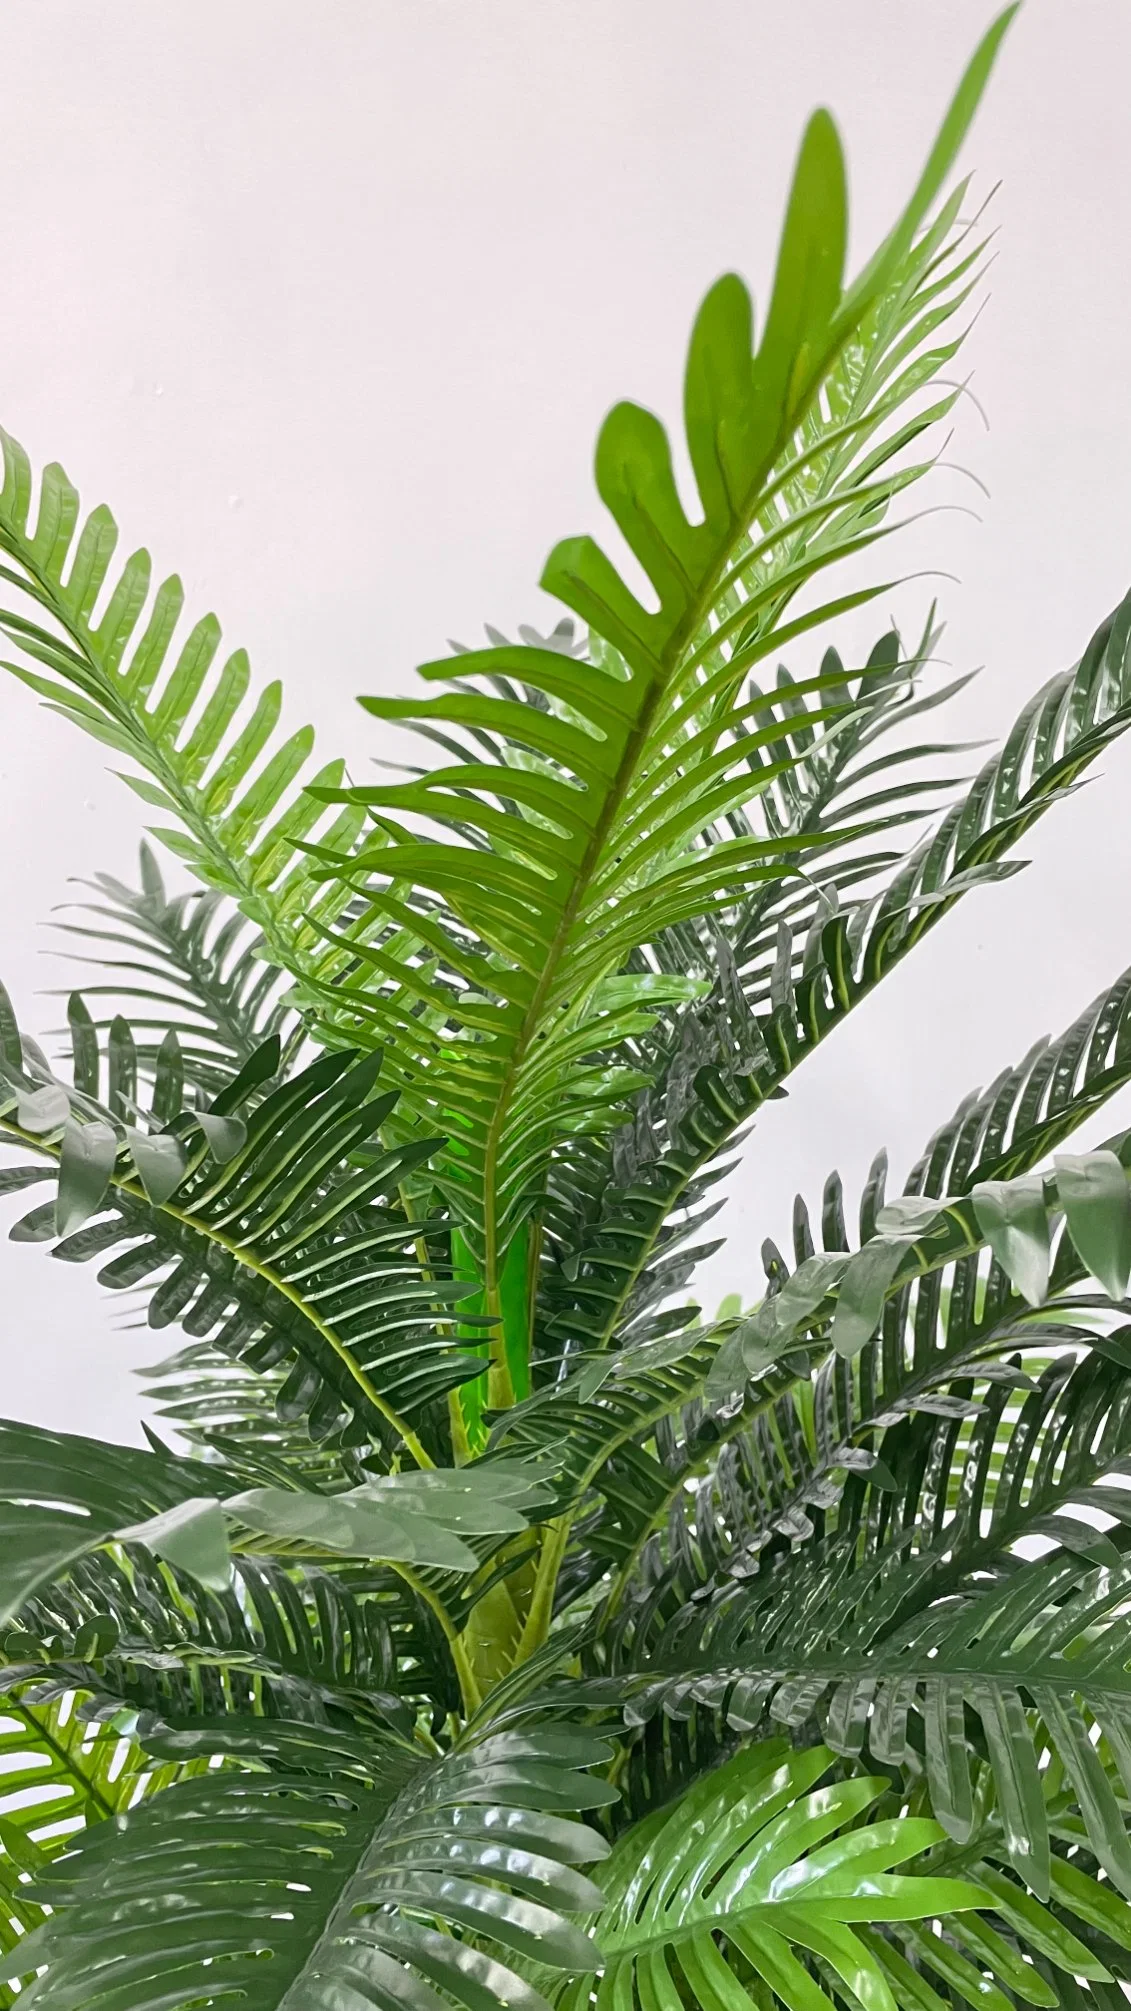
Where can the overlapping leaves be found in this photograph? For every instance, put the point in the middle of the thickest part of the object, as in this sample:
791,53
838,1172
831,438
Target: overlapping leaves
642,886
182,966
855,1544
755,1870
576,841
785,980
309,1887
278,1232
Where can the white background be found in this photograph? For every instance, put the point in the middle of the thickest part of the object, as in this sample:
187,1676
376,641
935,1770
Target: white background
328,304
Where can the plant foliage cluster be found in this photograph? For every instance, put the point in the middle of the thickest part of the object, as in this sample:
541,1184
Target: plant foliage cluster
506,1633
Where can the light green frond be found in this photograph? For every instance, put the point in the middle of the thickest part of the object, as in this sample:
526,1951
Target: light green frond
728,1896
579,842
59,1774
114,659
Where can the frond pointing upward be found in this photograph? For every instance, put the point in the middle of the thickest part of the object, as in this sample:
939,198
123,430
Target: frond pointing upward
191,962
496,962
206,757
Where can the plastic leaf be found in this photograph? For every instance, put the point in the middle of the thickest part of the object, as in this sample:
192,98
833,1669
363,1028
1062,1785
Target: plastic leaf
1012,1217
1093,1190
160,1160
226,1135
86,1166
193,1536
355,1524
860,1298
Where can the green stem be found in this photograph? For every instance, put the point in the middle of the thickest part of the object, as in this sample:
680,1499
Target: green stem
541,1611
469,1688
461,1444
500,1386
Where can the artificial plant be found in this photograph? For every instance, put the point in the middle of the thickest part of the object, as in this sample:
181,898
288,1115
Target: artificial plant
499,1630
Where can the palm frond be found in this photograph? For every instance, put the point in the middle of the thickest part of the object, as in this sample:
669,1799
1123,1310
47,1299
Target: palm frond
664,1446
58,1774
756,1877
1036,1662
885,1511
307,1884
186,966
626,1212
136,1640
220,1403
63,1497
596,1234
110,659
503,991
264,1232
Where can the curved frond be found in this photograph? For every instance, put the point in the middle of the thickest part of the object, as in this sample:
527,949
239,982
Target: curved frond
615,1252
569,835
755,1879
266,1232
302,1886
114,660
286,1640
186,965
63,1497
1037,1661
754,1428
881,1500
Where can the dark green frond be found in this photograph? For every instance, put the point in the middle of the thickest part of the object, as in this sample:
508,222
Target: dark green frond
308,1885
266,1233
617,1224
1039,1659
186,966
285,1641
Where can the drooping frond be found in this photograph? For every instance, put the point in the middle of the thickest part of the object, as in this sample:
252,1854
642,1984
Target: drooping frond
62,1498
278,1234
878,1516
285,1640
1037,1660
315,1883
685,1473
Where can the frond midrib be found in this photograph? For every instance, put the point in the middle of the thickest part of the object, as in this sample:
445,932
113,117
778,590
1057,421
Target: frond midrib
231,866
125,1184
